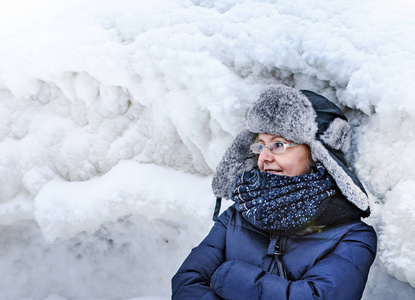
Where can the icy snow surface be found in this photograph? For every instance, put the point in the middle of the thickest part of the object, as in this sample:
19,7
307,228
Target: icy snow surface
114,114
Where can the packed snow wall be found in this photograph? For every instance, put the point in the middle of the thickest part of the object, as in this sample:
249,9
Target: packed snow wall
114,116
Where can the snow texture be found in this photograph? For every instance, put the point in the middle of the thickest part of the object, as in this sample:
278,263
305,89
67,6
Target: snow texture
114,114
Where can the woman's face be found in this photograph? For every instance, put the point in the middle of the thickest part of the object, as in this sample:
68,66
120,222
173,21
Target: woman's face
294,161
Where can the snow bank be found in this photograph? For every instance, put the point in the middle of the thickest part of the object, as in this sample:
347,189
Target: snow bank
398,226
63,209
113,116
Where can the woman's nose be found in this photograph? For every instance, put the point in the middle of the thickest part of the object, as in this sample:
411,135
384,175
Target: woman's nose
266,155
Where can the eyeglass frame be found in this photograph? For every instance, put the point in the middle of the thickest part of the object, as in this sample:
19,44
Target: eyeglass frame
285,146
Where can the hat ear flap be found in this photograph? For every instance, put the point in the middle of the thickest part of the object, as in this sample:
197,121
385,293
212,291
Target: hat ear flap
238,158
338,135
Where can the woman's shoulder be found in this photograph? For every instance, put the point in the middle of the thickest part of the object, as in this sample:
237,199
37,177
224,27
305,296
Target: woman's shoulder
230,215
226,215
233,218
356,230
353,226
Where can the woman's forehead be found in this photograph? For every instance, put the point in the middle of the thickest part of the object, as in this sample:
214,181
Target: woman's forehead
270,137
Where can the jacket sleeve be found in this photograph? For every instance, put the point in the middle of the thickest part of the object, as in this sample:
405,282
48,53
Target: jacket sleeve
341,275
192,280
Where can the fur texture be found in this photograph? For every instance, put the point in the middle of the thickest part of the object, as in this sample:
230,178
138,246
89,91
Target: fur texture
288,112
237,158
338,135
285,112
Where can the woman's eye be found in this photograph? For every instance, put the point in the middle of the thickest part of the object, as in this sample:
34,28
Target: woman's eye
277,145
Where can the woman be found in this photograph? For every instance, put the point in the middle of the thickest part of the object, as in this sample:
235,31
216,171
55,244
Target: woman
294,231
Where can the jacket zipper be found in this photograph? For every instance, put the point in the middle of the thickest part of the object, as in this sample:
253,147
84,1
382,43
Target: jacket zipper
275,249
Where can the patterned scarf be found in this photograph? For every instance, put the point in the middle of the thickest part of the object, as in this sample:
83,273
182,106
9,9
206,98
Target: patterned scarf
282,204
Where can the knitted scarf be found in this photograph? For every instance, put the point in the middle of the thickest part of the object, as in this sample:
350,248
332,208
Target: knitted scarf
282,204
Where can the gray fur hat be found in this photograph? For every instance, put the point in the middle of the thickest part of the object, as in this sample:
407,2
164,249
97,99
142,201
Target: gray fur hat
303,117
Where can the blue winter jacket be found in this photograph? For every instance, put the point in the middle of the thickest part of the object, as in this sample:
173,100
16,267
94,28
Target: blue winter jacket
238,261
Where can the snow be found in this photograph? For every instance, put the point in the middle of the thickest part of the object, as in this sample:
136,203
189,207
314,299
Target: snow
114,115
63,208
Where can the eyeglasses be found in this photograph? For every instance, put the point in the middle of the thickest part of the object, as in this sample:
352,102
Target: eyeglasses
275,148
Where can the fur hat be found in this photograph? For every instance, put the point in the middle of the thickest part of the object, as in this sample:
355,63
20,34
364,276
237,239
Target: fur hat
303,117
